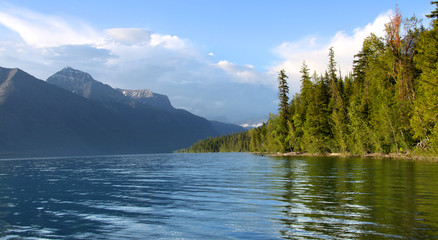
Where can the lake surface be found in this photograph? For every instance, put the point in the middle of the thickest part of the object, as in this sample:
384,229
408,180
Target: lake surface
216,196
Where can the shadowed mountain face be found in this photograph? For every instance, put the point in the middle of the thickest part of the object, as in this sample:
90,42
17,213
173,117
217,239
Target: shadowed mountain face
91,118
226,128
84,85
36,117
162,101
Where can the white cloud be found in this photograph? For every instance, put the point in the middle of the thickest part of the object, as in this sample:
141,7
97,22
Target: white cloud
40,30
129,36
168,41
245,73
315,52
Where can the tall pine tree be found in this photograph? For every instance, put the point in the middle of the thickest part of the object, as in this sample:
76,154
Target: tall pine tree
283,108
425,117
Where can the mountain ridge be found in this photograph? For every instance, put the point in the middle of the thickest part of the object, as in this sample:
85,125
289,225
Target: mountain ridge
40,118
148,97
33,118
84,85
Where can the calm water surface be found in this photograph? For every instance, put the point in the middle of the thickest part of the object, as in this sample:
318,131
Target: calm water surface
216,196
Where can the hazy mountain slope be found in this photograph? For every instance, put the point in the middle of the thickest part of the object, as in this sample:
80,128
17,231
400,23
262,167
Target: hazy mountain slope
39,118
84,85
172,128
226,128
162,101
36,117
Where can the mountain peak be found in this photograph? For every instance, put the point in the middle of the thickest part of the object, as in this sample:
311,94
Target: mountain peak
70,69
83,84
7,75
74,73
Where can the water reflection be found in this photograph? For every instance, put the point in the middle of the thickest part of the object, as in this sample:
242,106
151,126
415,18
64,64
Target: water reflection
216,196
358,198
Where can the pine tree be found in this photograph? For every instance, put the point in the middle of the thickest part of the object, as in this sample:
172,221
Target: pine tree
337,101
338,111
299,107
283,107
424,119
434,14
306,89
283,91
317,129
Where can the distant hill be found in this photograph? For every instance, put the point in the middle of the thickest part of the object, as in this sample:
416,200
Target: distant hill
226,128
86,117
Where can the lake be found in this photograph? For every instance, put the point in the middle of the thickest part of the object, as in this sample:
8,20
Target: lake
217,196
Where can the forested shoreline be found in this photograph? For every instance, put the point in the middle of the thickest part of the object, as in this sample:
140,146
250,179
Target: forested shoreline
387,104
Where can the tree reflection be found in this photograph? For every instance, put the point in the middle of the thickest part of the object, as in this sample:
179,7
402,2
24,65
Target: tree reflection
357,198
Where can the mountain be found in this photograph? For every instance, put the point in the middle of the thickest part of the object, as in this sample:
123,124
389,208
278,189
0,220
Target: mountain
39,118
84,85
162,101
226,128
146,96
88,117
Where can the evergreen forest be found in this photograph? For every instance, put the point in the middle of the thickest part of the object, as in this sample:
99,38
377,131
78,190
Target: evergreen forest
388,103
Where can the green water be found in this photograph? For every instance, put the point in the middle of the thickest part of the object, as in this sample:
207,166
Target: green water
358,198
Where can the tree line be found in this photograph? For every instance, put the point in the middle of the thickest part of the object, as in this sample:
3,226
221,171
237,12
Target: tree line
387,104
238,142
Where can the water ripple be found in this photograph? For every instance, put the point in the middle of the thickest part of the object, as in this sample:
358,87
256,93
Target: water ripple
216,196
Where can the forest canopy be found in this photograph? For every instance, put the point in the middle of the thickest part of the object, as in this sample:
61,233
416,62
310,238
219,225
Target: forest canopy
388,103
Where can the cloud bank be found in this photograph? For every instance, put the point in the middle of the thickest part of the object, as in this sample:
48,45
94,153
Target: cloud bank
314,51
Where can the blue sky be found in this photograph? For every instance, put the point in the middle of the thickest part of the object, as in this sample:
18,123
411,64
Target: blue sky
217,59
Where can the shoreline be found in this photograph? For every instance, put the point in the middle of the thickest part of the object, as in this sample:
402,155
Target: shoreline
368,155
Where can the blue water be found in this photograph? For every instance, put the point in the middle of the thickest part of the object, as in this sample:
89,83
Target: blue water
217,196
